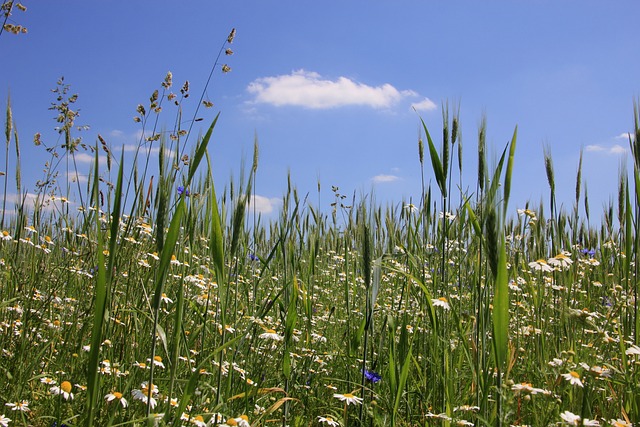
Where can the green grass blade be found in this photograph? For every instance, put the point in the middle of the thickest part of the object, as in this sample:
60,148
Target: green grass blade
201,149
509,171
501,308
161,274
495,179
435,162
99,310
289,326
402,381
115,218
216,239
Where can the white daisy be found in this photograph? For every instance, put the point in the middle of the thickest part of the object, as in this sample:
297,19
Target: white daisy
328,421
574,378
441,302
271,334
348,398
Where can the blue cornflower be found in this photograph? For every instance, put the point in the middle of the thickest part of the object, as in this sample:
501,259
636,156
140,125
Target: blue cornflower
253,257
182,190
374,377
589,252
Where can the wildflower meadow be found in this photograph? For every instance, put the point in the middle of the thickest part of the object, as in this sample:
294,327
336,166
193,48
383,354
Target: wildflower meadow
163,298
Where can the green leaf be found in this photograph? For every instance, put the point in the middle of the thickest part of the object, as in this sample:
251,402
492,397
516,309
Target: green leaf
501,308
435,162
507,175
201,149
99,308
216,238
404,374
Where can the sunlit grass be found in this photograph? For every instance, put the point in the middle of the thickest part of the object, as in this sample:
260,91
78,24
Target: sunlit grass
168,301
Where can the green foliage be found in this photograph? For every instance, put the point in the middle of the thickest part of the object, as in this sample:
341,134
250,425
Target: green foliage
475,316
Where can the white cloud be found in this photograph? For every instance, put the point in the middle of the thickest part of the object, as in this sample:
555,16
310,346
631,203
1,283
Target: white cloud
143,150
384,178
424,105
45,202
76,177
617,149
625,136
263,204
594,148
310,90
90,158
612,150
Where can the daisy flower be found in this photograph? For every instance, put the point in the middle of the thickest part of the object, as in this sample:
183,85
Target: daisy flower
540,265
348,398
634,349
561,260
575,420
23,406
574,378
241,421
4,421
146,393
64,390
466,408
441,302
328,421
271,334
570,418
48,381
620,423
198,421
157,361
116,395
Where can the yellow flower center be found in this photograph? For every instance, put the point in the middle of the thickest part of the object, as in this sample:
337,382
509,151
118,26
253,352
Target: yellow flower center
348,395
244,417
443,299
157,359
117,394
232,422
271,331
65,386
199,418
147,389
574,374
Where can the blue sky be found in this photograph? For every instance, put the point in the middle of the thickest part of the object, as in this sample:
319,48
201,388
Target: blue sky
329,87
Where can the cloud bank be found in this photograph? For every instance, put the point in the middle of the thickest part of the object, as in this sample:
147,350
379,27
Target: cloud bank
309,89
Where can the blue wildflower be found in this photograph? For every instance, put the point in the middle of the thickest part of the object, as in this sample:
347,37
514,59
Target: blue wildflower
371,376
253,257
589,252
181,190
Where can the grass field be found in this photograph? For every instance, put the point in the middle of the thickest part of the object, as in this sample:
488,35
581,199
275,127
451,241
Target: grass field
172,302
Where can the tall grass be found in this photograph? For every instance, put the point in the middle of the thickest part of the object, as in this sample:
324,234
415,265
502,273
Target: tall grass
171,300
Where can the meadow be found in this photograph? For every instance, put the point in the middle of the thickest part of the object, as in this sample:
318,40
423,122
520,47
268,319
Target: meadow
171,301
